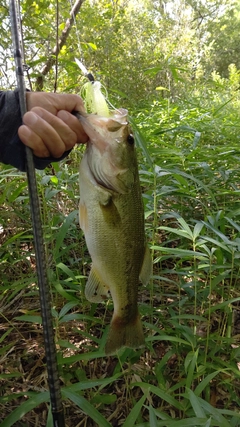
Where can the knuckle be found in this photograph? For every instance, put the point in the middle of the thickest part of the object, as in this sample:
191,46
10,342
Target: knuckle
37,110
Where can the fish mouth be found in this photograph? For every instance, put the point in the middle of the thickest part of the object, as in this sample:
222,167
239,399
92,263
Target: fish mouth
101,130
105,135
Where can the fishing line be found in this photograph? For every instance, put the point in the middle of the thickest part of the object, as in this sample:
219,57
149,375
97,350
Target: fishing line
41,265
95,101
86,73
56,61
77,32
20,36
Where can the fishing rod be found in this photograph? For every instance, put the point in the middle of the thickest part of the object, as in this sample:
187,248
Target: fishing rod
41,265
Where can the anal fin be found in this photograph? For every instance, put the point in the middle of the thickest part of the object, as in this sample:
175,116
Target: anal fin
96,291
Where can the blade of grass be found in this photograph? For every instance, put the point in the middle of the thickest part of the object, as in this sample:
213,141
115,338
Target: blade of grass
196,405
86,407
140,140
132,417
25,407
160,393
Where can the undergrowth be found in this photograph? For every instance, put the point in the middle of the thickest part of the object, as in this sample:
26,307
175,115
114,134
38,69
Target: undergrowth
188,373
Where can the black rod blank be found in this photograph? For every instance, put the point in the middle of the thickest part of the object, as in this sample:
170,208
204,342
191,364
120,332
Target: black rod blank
41,265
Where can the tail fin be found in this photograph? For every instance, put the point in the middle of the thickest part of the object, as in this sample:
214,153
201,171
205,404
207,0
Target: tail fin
124,335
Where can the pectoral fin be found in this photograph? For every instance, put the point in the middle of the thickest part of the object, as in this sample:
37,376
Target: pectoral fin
146,270
104,197
96,291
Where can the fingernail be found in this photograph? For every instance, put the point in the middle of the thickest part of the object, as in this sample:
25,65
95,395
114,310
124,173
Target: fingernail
24,132
30,119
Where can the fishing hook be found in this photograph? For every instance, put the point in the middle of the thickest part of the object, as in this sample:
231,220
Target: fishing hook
43,283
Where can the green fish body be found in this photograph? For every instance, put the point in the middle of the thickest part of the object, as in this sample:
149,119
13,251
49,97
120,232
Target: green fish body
112,219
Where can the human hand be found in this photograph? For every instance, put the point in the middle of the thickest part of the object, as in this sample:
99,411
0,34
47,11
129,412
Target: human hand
48,127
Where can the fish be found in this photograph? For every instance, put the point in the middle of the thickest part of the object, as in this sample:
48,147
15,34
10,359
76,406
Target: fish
111,215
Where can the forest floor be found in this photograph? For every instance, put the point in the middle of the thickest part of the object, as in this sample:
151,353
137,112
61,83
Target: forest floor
23,369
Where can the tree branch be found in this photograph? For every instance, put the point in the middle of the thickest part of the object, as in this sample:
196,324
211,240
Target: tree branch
62,40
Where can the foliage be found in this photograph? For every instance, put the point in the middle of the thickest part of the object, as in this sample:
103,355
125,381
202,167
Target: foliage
188,374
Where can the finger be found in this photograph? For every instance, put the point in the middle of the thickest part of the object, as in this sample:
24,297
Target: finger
71,102
54,133
32,140
54,102
75,125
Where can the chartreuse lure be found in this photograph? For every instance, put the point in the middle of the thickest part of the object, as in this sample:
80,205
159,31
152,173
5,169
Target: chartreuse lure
95,101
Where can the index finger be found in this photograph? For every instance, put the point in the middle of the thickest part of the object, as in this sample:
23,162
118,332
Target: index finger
71,102
54,102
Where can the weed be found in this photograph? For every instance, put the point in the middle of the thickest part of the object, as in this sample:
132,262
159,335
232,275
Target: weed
188,374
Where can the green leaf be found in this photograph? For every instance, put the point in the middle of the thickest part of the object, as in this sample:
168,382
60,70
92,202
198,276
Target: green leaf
196,404
205,382
185,226
162,88
233,223
188,422
179,252
106,399
63,293
135,411
215,413
152,417
218,244
182,233
29,318
67,307
66,344
196,139
141,141
197,230
92,45
167,338
6,333
88,384
11,375
190,366
49,417
86,407
33,402
63,231
222,236
66,270
153,70
160,393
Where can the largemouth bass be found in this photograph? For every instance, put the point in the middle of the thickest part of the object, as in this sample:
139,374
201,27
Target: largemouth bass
112,219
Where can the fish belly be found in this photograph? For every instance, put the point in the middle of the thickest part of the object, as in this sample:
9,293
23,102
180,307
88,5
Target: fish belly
113,225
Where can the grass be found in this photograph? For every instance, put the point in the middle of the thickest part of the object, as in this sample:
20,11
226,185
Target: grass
188,374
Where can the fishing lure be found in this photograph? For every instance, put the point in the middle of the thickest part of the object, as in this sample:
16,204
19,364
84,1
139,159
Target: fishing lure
95,101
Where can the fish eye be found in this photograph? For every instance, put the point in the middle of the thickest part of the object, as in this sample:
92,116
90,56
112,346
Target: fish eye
130,139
